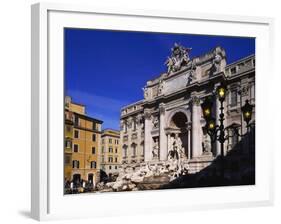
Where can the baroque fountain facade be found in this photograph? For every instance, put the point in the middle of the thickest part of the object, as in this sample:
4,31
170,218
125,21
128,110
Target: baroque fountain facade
162,135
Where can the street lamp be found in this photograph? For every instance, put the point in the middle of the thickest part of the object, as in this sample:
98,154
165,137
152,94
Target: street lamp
221,90
217,132
247,111
207,108
211,125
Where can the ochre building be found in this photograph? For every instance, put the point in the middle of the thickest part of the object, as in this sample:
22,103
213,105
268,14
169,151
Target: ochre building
82,144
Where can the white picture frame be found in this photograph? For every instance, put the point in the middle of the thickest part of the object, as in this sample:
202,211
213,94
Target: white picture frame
48,201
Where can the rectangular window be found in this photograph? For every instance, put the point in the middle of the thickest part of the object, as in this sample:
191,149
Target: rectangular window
93,165
116,150
94,126
93,150
110,159
94,138
125,127
75,164
76,120
233,70
110,140
135,125
233,98
125,152
134,150
102,149
75,148
102,141
116,159
68,128
102,159
68,143
76,134
67,160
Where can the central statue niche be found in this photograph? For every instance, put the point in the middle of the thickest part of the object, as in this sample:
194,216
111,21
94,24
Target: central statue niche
178,133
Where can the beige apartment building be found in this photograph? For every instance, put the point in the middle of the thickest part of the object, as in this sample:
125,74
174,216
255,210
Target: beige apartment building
111,154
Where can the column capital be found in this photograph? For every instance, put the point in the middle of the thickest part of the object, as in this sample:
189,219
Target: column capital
162,108
138,118
195,100
147,114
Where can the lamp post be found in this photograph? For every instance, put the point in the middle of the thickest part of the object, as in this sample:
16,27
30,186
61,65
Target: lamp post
221,96
247,111
217,132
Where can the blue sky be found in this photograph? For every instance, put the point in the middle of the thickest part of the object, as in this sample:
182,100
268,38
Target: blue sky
105,70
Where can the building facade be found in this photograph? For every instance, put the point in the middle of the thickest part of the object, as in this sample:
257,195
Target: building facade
170,112
110,156
82,144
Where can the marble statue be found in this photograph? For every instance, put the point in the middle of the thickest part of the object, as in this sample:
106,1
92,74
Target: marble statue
169,63
155,151
161,87
217,62
145,92
179,57
176,152
206,144
155,122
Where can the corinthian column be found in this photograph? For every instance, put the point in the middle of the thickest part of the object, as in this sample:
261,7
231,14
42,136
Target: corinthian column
163,137
196,128
147,136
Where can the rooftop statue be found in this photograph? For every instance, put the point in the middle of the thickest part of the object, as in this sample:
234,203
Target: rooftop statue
178,58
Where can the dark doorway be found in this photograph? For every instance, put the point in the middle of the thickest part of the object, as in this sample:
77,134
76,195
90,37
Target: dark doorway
76,179
90,178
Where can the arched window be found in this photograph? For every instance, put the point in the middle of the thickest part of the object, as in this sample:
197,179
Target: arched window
135,124
142,148
125,126
134,149
125,152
